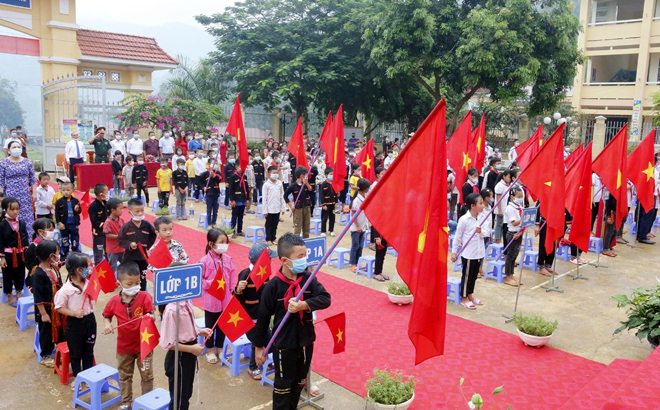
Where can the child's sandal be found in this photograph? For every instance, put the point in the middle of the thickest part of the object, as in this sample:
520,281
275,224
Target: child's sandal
212,358
255,374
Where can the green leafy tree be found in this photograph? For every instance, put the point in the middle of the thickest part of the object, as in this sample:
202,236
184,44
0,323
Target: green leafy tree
11,113
512,48
196,82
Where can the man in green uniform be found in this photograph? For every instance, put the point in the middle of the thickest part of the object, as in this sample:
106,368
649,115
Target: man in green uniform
101,147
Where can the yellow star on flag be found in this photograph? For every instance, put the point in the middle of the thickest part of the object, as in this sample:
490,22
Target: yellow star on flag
549,183
262,271
96,284
336,147
101,273
238,134
235,318
221,283
339,335
479,144
146,336
367,163
649,172
618,179
421,240
466,160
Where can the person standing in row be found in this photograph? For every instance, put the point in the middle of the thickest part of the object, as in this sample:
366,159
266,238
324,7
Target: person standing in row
118,145
259,176
140,177
180,181
300,209
273,203
166,146
328,203
210,181
74,153
237,191
151,146
134,146
102,147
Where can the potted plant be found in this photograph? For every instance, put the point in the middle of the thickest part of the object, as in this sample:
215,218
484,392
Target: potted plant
388,390
643,313
399,294
534,330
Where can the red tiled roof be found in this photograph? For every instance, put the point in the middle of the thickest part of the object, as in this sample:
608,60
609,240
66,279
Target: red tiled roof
124,46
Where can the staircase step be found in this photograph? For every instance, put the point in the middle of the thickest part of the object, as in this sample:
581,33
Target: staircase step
641,390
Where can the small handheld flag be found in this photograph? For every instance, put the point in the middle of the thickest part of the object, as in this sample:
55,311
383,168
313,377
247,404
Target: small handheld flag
105,276
337,326
261,271
149,336
160,257
234,320
218,287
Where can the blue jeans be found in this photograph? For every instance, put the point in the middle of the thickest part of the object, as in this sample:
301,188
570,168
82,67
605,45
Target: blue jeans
211,209
70,239
357,240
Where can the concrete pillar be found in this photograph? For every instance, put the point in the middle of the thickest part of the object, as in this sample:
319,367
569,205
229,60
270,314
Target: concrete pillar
581,70
643,57
598,141
275,127
523,128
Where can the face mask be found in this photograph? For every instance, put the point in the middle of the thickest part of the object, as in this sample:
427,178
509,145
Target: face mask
232,161
277,161
330,178
49,235
117,137
130,291
518,201
214,166
179,152
258,158
221,248
191,156
352,154
299,265
153,137
85,273
200,155
273,177
137,218
56,260
474,180
182,167
136,136
16,152
163,166
167,135
118,158
198,136
13,135
140,162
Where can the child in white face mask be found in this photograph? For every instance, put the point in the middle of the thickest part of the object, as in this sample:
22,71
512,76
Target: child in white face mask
128,304
512,217
134,234
165,231
218,281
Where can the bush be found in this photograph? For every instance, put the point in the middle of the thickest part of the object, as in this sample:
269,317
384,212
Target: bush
534,325
162,212
643,313
399,289
389,387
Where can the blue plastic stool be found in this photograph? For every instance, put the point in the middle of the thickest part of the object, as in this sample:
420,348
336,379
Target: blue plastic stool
630,219
25,308
144,201
657,222
344,219
26,292
226,223
255,233
530,260
202,221
260,212
173,210
564,252
454,290
367,238
36,348
200,323
315,226
494,251
240,346
458,265
633,229
392,252
265,372
366,265
317,212
495,270
154,205
340,257
595,245
98,379
529,245
157,399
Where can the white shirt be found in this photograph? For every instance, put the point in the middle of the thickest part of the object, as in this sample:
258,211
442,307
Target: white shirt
118,145
200,166
597,188
267,162
166,144
320,167
361,221
134,146
175,158
286,172
387,162
487,227
500,189
512,154
10,140
466,226
71,152
512,213
451,178
273,197
44,198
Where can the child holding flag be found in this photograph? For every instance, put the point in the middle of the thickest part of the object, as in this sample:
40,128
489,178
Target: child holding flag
361,223
293,347
111,228
218,283
512,218
165,230
129,304
135,236
73,301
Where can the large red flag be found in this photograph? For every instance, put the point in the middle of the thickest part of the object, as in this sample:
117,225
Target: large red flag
544,176
160,257
418,177
640,171
337,326
458,152
297,146
337,153
149,336
236,128
366,160
234,320
261,270
478,146
573,156
527,150
326,128
105,276
611,166
578,199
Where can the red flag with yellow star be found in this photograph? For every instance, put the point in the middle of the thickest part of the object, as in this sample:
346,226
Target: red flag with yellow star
418,176
611,166
337,326
234,320
578,199
93,286
261,270
333,145
149,336
218,288
84,203
544,177
527,150
640,171
478,146
458,152
236,128
160,257
105,276
573,156
366,160
297,146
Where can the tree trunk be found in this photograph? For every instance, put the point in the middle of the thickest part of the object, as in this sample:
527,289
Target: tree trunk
451,126
428,87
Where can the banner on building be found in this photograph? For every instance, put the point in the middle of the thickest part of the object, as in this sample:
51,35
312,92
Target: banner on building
636,116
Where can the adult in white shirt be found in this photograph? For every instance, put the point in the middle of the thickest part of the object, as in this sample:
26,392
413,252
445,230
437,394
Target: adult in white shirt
285,173
134,146
117,144
166,146
501,191
74,153
597,195
13,136
199,164
512,152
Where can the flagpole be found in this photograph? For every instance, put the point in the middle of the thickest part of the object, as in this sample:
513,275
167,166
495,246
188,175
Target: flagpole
553,287
176,362
311,277
510,318
599,227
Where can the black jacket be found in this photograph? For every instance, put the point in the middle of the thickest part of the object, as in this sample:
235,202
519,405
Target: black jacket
229,169
180,179
296,332
328,193
62,210
116,167
237,189
97,216
293,190
9,238
211,181
145,235
250,297
140,174
259,170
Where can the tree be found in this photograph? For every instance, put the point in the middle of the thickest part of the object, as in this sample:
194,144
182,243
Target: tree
196,82
454,48
11,113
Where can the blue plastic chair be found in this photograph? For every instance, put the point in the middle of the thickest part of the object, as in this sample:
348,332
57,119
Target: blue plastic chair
340,257
98,381
366,265
240,346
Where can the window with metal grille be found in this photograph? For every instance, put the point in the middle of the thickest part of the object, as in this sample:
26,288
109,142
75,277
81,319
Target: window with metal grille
87,72
115,77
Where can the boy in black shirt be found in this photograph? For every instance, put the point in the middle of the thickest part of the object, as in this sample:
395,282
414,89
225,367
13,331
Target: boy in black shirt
228,170
302,211
249,296
140,178
211,185
292,349
67,216
328,202
180,181
97,216
237,191
137,232
259,177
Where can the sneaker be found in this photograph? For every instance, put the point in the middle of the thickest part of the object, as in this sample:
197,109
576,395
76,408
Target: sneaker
125,407
332,234
322,233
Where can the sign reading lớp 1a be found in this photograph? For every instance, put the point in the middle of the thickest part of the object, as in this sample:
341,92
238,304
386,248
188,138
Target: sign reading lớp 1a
24,4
